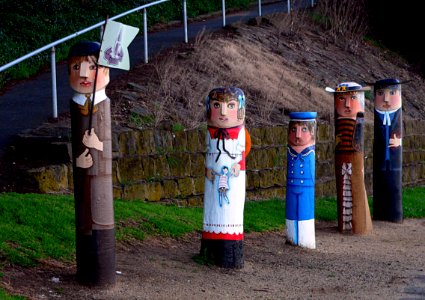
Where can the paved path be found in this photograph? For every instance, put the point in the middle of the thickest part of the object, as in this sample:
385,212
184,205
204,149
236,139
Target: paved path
29,103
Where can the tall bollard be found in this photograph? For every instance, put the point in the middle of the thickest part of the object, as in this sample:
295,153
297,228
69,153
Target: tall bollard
387,151
228,143
353,208
92,166
300,179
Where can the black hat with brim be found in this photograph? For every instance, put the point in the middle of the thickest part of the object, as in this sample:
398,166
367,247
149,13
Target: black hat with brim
383,83
84,48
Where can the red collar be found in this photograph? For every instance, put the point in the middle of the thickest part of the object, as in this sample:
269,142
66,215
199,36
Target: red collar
229,133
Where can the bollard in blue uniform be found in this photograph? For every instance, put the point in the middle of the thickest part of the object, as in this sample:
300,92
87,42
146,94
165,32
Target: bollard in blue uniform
300,179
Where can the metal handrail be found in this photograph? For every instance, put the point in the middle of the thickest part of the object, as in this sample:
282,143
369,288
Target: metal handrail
74,35
52,45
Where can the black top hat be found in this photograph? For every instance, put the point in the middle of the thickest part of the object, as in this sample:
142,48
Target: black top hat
84,48
383,83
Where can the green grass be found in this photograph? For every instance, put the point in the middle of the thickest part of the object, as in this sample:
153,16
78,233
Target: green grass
5,296
36,227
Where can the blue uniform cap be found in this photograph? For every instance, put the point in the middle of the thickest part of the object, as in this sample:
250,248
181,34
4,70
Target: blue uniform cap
84,48
303,116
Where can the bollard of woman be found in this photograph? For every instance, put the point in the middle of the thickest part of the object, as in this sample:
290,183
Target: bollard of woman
227,143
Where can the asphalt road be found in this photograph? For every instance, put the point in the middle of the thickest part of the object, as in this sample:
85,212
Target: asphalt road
28,104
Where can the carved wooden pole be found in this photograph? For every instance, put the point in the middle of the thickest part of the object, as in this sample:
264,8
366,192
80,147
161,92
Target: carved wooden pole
92,167
300,179
353,208
228,143
387,151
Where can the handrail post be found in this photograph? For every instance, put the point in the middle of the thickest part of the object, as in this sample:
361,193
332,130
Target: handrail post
185,21
259,8
145,34
289,6
54,90
223,8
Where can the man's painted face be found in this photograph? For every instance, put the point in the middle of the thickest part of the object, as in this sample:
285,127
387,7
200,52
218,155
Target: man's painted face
347,104
224,114
82,74
388,99
299,135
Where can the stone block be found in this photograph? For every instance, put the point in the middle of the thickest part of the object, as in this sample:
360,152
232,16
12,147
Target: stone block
274,136
179,164
127,143
324,133
199,185
194,144
195,201
170,189
197,164
253,180
150,191
145,142
180,141
256,137
49,179
117,191
266,178
163,141
129,169
161,167
186,186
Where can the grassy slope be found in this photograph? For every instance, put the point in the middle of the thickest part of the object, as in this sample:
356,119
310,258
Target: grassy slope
36,227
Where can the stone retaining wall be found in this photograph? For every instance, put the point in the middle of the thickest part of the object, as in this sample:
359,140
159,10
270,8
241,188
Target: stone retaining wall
158,165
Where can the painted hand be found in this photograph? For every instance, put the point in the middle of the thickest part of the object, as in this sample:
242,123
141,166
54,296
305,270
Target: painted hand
394,142
235,170
92,141
210,174
84,160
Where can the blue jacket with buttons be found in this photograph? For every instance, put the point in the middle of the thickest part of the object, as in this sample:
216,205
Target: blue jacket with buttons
301,167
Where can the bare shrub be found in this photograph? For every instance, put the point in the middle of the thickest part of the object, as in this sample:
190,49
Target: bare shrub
201,37
345,21
289,24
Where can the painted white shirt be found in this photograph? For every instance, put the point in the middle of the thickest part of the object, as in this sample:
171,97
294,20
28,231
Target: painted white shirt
227,218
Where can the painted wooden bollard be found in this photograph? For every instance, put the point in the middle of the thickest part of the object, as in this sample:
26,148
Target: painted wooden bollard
387,151
300,179
227,143
92,166
353,208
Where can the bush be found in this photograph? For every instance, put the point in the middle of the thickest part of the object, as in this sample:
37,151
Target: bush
44,21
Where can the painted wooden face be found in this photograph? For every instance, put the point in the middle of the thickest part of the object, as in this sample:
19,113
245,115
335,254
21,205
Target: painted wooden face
348,104
224,114
82,75
300,134
388,98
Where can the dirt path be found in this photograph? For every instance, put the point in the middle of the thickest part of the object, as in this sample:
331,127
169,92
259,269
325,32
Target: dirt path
388,264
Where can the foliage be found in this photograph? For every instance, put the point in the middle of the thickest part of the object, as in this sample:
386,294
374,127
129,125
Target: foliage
42,22
345,20
5,296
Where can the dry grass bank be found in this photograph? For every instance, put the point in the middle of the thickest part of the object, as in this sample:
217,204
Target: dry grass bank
283,63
